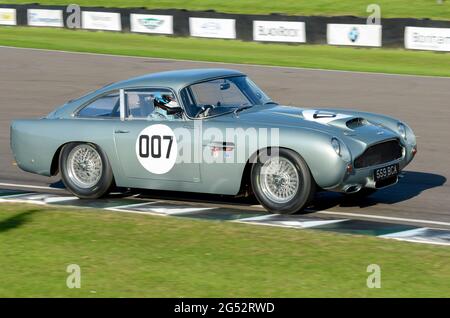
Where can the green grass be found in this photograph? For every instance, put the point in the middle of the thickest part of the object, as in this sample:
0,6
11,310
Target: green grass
128,255
389,8
309,56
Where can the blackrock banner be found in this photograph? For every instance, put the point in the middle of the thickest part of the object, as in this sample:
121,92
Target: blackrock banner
213,28
44,17
8,16
434,39
149,23
279,31
109,21
354,34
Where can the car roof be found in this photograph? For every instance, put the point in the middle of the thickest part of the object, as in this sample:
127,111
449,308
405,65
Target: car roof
174,79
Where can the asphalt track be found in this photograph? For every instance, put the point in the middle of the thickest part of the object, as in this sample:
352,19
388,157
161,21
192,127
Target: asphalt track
34,82
138,204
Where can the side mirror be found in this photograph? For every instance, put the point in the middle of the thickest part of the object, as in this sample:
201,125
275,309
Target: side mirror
174,110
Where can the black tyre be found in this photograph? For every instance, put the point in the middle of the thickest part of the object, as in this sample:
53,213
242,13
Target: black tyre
85,170
282,183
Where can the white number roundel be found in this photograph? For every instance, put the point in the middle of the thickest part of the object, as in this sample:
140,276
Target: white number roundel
156,148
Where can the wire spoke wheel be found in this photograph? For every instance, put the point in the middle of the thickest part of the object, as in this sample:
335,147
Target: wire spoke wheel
279,180
84,166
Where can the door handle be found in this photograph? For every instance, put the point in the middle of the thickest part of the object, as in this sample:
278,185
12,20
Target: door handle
120,131
225,146
188,127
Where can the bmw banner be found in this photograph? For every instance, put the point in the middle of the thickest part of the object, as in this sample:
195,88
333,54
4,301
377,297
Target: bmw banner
354,34
150,23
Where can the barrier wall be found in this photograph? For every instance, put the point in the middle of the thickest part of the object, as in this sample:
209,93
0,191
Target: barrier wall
339,30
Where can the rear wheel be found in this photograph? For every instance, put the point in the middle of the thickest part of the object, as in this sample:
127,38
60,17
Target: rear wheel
85,170
282,183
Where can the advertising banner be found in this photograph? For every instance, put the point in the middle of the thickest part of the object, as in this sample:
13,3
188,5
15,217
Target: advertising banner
44,17
434,39
109,21
8,16
354,34
279,31
150,23
213,28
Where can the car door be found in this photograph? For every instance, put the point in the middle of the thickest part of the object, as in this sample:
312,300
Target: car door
152,146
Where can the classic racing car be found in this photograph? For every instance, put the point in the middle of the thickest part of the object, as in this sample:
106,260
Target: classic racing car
211,131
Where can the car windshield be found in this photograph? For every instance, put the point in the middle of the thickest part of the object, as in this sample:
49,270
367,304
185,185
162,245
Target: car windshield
220,96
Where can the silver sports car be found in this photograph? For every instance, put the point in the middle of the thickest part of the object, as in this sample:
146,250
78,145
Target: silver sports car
211,131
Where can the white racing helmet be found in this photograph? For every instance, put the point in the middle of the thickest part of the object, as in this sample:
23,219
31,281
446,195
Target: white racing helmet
166,102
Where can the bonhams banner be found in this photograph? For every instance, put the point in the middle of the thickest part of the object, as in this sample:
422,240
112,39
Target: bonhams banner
435,39
279,31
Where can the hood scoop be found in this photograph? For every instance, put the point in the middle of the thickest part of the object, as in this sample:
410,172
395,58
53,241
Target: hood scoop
343,121
356,123
349,123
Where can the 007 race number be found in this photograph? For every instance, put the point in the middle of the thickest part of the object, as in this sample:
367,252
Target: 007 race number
152,146
157,149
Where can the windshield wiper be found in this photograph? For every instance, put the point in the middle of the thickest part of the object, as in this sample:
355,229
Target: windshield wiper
237,110
270,103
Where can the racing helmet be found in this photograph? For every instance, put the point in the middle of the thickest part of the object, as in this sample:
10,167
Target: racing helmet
165,102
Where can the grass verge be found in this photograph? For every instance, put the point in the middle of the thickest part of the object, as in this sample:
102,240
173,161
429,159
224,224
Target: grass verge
309,56
128,255
389,8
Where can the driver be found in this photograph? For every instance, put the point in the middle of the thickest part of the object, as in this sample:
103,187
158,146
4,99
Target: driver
163,106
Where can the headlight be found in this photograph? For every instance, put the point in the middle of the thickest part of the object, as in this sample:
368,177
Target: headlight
336,145
402,130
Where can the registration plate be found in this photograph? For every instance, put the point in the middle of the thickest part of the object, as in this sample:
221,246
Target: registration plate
384,173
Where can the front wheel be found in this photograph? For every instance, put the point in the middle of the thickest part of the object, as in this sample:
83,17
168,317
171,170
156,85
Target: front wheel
85,170
282,183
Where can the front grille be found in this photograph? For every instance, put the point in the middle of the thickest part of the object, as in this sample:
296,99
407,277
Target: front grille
380,153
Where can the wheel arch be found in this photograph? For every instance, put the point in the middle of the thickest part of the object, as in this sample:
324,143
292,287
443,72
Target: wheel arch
54,167
246,174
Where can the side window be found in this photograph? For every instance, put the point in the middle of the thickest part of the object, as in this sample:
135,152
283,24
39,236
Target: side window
149,104
139,103
106,106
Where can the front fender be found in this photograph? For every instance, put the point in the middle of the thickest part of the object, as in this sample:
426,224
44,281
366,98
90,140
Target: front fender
327,168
